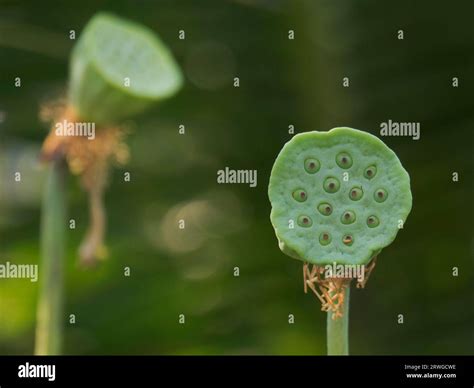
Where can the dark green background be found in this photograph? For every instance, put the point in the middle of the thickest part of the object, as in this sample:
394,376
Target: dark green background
282,82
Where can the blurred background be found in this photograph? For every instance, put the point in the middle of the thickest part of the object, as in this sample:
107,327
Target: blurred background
283,82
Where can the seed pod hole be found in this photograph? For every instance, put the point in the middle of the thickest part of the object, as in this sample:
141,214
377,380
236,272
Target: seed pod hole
324,238
348,239
304,221
372,221
300,195
380,195
312,166
344,160
348,217
356,193
325,209
370,172
331,185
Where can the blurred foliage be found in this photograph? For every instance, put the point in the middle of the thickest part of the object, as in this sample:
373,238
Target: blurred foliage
282,82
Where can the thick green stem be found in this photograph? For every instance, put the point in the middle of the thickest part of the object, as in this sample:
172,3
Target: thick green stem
338,329
49,324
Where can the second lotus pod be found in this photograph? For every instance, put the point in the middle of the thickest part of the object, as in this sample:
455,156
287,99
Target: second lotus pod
118,69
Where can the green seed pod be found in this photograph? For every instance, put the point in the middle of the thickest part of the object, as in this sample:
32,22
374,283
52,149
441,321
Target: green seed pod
380,195
304,221
380,200
299,195
118,68
348,240
370,172
348,217
344,160
356,193
325,238
312,165
325,209
331,185
373,221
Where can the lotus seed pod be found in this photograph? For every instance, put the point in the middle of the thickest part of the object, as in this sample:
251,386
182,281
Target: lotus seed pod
348,217
311,165
304,221
325,209
299,195
118,68
356,193
331,185
348,221
324,238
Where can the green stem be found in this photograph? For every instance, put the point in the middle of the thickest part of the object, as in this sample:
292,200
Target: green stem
338,330
53,223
